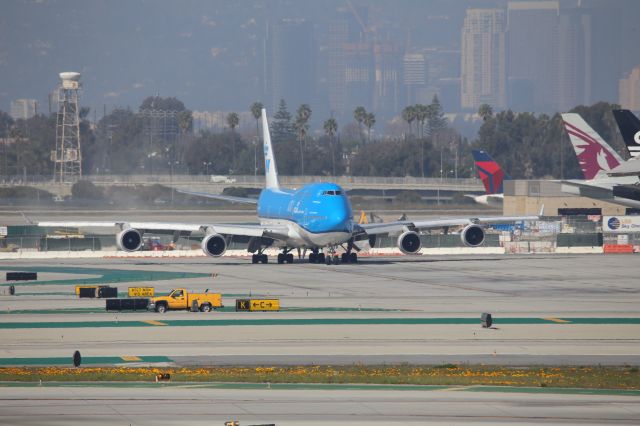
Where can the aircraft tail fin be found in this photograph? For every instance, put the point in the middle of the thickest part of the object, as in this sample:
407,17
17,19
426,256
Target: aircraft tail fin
270,169
490,172
595,156
629,126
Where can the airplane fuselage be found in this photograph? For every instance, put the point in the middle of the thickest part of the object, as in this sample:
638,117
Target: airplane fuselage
317,215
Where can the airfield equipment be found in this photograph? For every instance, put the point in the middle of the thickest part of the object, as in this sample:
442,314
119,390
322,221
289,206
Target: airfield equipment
67,157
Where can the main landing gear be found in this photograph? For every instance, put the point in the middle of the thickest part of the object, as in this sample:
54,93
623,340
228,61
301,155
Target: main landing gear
316,257
332,258
285,257
259,258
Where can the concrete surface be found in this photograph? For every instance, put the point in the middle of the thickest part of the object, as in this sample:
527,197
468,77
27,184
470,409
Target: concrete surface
199,405
545,290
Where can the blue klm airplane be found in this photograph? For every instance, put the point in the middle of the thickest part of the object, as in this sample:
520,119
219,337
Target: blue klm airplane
316,217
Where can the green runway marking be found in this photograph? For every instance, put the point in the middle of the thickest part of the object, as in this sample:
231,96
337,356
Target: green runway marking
96,360
54,311
106,276
224,309
310,321
336,387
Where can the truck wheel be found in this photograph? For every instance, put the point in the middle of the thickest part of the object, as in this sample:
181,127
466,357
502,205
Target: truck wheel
161,308
205,308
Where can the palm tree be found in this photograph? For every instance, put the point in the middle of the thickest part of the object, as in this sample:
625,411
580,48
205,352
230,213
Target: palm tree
369,121
359,115
485,111
256,111
409,115
232,121
302,127
330,128
185,123
422,112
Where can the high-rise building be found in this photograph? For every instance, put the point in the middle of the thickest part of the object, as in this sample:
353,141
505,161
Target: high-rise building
387,94
358,76
349,62
629,90
614,45
23,109
414,76
292,63
532,37
483,61
574,58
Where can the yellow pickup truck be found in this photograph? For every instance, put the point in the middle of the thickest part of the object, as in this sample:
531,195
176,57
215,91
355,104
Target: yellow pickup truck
180,298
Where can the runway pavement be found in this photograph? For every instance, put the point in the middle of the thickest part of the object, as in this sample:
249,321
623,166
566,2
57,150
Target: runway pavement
548,309
199,404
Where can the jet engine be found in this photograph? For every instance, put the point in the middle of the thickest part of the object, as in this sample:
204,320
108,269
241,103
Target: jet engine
409,242
129,240
472,235
214,245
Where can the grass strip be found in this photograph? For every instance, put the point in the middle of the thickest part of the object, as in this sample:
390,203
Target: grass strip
625,377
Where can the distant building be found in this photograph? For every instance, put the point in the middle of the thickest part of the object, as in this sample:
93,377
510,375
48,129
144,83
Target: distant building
483,79
574,58
532,38
292,64
629,90
344,32
387,95
414,76
359,77
23,109
217,120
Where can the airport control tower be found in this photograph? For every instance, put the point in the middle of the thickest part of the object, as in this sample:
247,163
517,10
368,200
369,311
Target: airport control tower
67,156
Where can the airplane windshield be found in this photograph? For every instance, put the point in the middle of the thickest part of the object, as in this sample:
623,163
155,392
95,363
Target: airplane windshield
332,193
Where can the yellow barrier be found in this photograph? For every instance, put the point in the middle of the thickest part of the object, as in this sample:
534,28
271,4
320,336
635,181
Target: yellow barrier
141,292
78,287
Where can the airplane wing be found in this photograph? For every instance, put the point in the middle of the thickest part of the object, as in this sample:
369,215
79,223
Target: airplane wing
421,225
229,198
248,230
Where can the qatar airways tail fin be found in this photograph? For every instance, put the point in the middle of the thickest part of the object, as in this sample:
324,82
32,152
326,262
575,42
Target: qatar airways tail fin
595,156
629,126
490,172
270,169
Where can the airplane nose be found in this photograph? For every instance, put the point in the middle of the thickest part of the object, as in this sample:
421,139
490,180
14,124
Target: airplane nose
340,218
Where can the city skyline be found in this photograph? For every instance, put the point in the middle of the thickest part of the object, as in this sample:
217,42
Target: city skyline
539,56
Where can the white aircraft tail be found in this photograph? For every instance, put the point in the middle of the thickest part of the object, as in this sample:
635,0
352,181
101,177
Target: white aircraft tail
270,169
595,156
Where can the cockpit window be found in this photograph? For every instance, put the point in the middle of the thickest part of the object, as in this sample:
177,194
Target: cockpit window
331,192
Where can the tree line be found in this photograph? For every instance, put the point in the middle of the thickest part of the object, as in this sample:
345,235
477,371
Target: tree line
159,138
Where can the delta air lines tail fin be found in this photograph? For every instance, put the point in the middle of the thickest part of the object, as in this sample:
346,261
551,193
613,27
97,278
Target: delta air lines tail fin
629,126
595,156
270,169
490,172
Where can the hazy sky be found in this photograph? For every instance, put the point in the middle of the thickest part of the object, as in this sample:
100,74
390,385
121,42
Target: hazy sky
207,53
